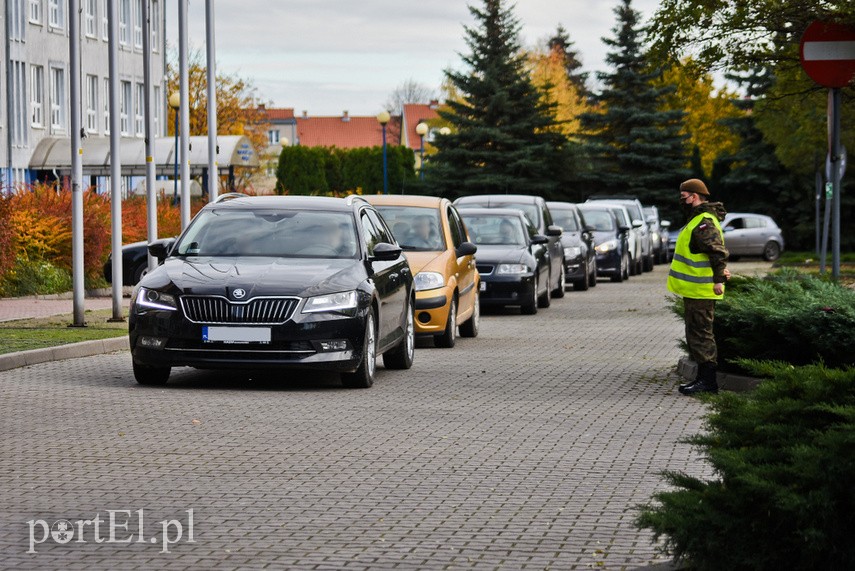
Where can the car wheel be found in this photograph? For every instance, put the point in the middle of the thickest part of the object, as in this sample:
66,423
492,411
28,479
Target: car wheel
530,305
470,328
449,337
631,267
401,357
622,270
151,375
625,273
543,301
139,272
733,258
584,283
363,377
649,262
558,292
592,280
772,251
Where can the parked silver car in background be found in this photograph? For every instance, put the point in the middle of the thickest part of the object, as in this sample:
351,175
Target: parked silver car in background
645,260
747,234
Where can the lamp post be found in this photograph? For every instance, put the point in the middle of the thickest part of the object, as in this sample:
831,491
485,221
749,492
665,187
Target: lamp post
422,130
175,104
383,118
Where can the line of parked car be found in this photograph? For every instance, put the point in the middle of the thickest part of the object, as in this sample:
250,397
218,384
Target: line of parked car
327,283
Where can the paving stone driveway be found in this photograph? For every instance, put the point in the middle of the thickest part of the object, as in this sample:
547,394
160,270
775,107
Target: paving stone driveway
525,448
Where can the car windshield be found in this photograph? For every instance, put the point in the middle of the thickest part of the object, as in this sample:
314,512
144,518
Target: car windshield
416,228
565,219
530,210
495,230
270,232
600,220
634,211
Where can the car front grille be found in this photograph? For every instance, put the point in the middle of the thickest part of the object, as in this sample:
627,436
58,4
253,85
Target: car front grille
484,269
258,311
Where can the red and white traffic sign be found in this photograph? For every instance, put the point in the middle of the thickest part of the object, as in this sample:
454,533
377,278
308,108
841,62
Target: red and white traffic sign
828,53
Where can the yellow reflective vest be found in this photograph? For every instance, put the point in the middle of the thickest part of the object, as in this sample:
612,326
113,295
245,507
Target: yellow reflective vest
691,274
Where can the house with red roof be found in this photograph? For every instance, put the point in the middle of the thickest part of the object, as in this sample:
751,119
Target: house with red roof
413,114
346,131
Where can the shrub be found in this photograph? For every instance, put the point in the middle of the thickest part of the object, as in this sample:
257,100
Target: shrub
789,317
7,255
30,277
135,217
784,459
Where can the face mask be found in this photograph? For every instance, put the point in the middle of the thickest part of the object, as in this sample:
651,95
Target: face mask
685,208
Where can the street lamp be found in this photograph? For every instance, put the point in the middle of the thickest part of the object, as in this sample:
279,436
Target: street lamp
175,103
422,130
383,118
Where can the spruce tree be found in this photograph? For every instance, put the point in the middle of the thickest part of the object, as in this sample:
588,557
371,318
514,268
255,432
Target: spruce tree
634,146
561,42
503,138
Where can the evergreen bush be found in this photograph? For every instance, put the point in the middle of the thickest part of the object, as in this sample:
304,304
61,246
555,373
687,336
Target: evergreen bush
784,462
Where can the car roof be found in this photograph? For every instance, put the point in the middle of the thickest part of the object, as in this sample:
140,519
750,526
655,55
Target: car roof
554,205
400,200
499,198
490,211
327,203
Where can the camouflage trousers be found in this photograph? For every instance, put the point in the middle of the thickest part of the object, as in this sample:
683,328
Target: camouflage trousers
699,330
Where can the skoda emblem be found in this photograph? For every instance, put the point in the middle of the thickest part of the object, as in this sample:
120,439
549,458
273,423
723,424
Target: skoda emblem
239,293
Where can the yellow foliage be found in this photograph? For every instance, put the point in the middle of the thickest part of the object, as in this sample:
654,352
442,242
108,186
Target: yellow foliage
38,236
549,76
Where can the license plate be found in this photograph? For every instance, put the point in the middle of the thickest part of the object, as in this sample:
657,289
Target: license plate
213,334
483,286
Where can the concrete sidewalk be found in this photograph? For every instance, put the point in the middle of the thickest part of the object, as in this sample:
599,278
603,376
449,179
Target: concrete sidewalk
12,308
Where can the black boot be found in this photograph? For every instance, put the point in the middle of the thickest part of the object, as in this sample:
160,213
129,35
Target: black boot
699,370
706,382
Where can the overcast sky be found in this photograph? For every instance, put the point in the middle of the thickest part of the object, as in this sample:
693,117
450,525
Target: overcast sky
325,56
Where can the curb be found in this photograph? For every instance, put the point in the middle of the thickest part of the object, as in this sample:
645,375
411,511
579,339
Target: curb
688,369
61,352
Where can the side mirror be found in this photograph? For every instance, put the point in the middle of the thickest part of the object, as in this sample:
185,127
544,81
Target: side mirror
590,229
637,223
539,239
385,252
466,249
665,224
554,231
624,228
159,249
727,229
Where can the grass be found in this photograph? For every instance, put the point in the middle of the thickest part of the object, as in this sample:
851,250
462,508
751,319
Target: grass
38,333
788,258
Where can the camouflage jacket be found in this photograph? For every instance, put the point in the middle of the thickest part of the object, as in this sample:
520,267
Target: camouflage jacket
707,240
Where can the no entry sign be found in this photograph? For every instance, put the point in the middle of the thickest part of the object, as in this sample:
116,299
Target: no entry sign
828,53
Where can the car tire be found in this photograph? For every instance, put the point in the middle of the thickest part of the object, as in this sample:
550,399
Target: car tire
592,279
649,262
139,272
363,377
401,357
471,326
543,301
530,305
448,338
151,376
584,283
558,292
632,267
772,251
622,270
733,258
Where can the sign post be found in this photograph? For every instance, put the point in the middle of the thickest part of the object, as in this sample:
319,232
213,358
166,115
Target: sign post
827,53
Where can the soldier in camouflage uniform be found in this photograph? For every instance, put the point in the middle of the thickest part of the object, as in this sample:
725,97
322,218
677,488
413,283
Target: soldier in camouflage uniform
698,272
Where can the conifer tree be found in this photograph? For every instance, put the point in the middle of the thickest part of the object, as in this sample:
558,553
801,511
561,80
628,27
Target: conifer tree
503,137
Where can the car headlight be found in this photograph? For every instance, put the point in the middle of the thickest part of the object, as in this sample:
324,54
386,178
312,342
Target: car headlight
333,302
606,247
512,269
655,236
153,299
428,280
574,252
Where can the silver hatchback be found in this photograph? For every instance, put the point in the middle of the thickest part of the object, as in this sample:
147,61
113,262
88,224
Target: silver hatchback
747,234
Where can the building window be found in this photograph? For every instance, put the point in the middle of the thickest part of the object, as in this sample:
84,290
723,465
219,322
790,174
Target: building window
37,94
138,23
124,21
56,14
17,20
154,15
90,18
125,107
105,23
92,103
57,99
273,137
36,11
157,109
18,119
106,105
139,101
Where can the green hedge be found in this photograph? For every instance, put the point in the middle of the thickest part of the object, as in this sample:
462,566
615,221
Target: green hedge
784,462
788,317
324,170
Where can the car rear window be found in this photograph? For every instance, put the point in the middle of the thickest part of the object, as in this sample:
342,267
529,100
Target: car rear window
272,232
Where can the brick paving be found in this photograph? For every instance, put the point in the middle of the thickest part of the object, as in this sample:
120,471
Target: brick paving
25,307
525,448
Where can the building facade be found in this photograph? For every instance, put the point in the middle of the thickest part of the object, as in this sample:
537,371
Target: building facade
36,83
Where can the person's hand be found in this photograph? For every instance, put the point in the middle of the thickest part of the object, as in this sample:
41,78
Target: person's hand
726,274
718,289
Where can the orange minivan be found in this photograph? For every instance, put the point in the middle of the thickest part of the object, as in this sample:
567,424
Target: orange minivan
442,258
